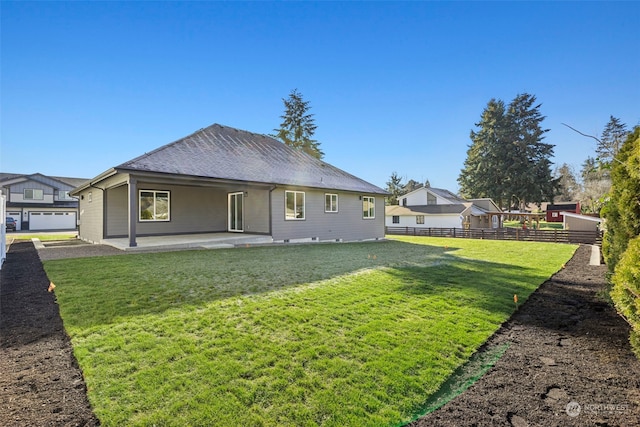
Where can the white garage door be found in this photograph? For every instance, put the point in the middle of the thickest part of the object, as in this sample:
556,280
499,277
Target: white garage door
52,220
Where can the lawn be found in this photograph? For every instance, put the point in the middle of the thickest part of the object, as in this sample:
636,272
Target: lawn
544,225
324,334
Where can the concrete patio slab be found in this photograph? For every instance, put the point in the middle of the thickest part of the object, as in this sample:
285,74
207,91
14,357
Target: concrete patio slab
189,241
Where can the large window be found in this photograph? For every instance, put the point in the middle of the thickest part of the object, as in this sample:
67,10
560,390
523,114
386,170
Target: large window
33,194
419,219
368,207
331,203
154,205
294,204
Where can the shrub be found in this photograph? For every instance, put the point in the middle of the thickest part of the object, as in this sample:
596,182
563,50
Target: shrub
622,210
626,290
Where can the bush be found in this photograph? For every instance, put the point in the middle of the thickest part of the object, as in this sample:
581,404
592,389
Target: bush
626,290
622,210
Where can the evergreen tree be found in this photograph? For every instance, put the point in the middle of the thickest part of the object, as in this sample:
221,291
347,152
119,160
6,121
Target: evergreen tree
395,187
484,174
613,135
596,183
298,126
507,158
622,210
568,188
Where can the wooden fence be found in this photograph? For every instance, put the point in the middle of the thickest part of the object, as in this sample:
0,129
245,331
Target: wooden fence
555,236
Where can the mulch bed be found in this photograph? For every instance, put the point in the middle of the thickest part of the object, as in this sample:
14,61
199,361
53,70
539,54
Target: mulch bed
40,382
568,364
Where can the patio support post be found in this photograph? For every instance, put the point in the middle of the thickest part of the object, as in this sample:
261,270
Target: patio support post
133,210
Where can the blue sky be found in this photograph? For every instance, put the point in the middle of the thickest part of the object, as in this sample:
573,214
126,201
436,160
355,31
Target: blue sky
394,86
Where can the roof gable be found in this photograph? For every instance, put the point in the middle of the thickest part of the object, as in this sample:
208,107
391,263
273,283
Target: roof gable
226,153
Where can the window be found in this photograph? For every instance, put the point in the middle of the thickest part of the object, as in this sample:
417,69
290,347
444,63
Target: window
33,194
404,201
419,219
64,195
368,207
331,203
294,204
154,205
431,199
89,197
395,219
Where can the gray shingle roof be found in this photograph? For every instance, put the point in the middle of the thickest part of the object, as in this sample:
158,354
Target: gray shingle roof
223,152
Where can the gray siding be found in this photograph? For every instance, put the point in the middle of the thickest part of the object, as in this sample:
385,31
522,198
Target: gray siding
91,217
256,212
192,210
346,224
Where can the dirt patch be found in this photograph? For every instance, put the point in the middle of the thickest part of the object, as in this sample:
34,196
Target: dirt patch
40,384
568,362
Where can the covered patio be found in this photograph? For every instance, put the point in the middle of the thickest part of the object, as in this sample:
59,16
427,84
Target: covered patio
189,241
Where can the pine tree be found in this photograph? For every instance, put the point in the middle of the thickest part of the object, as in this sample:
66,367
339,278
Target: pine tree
484,173
395,187
508,159
298,126
613,135
568,188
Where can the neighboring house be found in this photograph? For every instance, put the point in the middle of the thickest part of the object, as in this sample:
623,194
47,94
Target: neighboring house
40,202
577,222
221,179
429,207
555,211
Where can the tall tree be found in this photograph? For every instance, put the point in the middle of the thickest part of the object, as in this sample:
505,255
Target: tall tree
483,174
395,187
614,134
596,183
298,125
507,159
569,188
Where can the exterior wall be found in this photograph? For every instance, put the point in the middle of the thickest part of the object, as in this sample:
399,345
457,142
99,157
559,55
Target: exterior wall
347,224
256,211
430,221
192,210
419,197
91,215
578,224
16,194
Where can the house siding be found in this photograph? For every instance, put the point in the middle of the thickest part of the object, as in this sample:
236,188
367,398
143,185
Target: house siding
256,211
347,224
431,221
192,210
17,192
91,217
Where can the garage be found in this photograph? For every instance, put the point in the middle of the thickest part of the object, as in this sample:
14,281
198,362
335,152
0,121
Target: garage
52,220
17,216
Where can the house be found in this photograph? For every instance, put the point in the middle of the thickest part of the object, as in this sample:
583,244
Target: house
429,207
40,202
555,211
221,179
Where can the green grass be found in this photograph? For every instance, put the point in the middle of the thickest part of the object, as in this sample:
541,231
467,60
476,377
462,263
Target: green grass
42,237
340,334
544,225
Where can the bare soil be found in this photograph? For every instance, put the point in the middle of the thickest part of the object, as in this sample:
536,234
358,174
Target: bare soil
568,364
